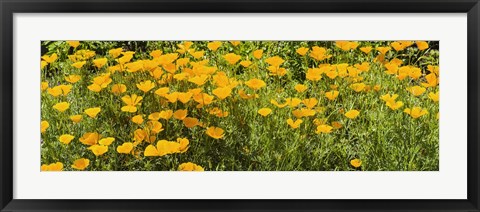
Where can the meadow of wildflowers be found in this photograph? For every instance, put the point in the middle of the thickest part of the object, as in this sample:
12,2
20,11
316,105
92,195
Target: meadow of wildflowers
239,105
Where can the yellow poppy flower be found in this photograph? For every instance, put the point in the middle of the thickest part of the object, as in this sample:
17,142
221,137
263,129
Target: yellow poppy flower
416,90
190,122
434,69
389,97
180,114
403,72
264,111
125,58
277,71
214,45
106,141
62,106
394,105
310,103
92,112
125,148
73,78
184,47
416,112
383,49
76,118
115,52
344,45
222,93
331,95
165,147
184,97
391,68
156,53
434,96
79,64
358,87
98,150
432,80
44,126
43,64
189,167
139,135
300,88
397,46
146,86
197,54
154,116
356,163
293,102
319,53
66,138
94,88
323,129
351,114
235,42
366,49
59,90
274,61
131,102
89,138
166,114
58,166
150,151
255,84
44,86
314,74
162,91
199,80
215,132
302,51
138,119
115,68
51,58
100,82
232,58
304,112
421,45
73,43
332,74
415,73
183,144
365,66
155,127
119,88
81,164
258,53
246,63
294,124
100,62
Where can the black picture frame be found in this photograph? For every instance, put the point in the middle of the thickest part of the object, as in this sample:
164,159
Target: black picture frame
9,7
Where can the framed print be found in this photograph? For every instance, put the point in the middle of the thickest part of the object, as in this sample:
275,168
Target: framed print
257,106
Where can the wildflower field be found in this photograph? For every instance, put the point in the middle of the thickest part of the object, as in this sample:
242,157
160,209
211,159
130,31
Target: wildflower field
239,105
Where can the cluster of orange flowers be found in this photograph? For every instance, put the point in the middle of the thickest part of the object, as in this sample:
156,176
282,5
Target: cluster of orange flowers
187,79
